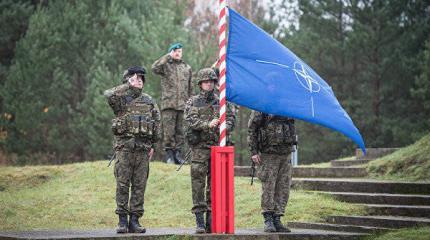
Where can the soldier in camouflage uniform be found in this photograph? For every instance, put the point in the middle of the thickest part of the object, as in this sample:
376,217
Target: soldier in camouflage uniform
136,130
202,132
271,139
176,88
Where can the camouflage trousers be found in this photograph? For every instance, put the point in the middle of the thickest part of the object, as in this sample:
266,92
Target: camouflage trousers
173,134
131,172
275,174
201,179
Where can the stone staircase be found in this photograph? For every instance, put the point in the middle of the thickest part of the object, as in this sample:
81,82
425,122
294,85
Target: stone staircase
357,185
332,172
388,204
380,198
345,168
337,227
313,172
349,168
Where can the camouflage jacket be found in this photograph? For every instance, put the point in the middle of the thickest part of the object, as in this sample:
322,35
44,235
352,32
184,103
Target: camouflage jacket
200,110
176,82
270,134
137,117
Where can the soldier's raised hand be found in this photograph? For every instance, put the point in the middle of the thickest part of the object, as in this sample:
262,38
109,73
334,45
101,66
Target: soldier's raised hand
214,123
172,53
136,81
256,158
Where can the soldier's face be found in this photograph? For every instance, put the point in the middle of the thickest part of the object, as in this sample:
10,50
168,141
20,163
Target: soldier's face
136,81
177,54
207,85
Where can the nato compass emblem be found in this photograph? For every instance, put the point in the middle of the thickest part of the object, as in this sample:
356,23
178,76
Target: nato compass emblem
305,79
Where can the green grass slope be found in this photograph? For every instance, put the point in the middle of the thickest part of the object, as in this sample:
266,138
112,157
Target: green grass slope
411,163
82,196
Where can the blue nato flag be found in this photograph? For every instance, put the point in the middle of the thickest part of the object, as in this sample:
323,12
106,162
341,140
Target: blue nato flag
264,75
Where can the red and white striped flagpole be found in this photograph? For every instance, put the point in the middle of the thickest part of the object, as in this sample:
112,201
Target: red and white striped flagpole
222,157
222,69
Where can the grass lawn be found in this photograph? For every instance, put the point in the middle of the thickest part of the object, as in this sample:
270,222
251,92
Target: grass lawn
410,163
81,196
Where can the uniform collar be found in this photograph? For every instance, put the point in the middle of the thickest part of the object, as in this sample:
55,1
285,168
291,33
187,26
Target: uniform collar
134,92
171,60
209,96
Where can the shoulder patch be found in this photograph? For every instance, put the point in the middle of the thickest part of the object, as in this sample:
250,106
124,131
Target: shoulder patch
190,101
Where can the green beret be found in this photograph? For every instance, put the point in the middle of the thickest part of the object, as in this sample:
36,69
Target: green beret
175,46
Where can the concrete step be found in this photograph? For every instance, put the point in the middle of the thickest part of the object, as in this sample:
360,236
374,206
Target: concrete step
373,153
346,163
397,210
380,198
333,172
337,227
379,221
182,233
312,172
360,185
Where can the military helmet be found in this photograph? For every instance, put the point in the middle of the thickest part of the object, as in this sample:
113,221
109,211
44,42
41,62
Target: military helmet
206,74
140,71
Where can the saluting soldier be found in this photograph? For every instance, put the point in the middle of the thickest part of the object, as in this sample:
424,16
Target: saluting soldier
136,130
176,89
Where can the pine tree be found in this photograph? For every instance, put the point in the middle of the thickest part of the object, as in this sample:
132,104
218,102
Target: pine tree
72,51
367,51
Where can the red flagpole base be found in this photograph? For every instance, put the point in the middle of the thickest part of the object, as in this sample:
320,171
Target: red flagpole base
222,189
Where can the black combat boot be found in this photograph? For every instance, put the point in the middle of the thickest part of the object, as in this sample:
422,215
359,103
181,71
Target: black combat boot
200,222
134,225
178,157
170,156
268,222
278,224
122,224
208,227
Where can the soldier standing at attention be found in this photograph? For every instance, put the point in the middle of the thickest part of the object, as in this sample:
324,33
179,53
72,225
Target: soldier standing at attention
271,139
202,132
176,88
136,130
